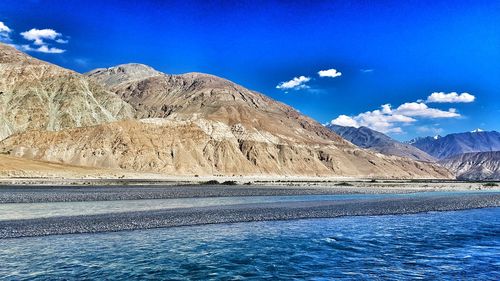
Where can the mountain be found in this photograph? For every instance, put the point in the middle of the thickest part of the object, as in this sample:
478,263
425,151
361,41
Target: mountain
475,165
367,138
455,144
195,96
200,124
39,95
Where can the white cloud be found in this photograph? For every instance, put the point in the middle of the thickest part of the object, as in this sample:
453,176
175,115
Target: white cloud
367,70
42,49
329,73
40,38
384,120
62,41
296,83
346,121
419,109
453,97
38,35
4,32
389,120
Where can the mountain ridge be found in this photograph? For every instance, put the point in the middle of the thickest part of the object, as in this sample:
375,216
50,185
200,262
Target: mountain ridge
367,138
458,143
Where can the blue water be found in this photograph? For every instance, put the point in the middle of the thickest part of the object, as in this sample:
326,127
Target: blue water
463,245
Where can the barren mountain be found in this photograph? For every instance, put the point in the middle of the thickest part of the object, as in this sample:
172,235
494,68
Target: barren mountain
195,96
475,165
455,144
200,124
367,138
38,95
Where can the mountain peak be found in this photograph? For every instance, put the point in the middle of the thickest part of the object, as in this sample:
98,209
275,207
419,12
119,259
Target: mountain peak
478,130
458,143
123,73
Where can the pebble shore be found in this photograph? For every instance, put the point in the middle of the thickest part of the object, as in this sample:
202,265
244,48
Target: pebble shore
244,213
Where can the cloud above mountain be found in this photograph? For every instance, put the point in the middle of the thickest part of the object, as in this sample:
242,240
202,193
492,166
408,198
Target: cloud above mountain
4,32
453,97
41,38
296,83
389,120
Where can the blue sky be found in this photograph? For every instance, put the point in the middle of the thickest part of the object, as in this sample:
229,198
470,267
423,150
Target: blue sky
387,52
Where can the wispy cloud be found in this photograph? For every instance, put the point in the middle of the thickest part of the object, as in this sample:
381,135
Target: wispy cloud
367,70
453,97
329,73
42,49
5,33
40,38
296,83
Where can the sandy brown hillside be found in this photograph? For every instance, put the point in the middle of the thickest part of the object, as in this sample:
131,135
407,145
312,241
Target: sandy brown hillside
201,96
205,148
38,95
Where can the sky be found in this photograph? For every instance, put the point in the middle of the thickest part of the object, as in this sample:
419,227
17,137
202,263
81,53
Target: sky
406,68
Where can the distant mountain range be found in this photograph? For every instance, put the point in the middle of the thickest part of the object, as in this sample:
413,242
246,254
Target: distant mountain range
472,155
135,118
474,165
377,141
456,144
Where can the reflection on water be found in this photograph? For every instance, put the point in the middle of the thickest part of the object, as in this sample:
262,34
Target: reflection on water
462,245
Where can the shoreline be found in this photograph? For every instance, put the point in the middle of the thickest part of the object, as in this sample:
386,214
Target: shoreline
78,193
242,213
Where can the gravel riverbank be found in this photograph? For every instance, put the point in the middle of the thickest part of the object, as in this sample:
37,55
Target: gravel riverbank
40,194
244,213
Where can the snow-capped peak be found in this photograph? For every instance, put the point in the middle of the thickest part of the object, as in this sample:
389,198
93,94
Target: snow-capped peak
477,130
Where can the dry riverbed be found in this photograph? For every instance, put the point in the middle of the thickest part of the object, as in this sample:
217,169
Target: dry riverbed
313,200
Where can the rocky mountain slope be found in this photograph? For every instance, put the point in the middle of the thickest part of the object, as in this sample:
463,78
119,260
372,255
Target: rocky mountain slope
199,124
455,144
475,165
195,96
367,138
38,95
203,147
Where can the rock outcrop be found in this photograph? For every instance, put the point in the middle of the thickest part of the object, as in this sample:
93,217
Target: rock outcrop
38,95
475,165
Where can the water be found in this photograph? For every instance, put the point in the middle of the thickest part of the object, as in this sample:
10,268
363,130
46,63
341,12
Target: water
462,245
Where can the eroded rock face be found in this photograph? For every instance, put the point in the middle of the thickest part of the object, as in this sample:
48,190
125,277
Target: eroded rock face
39,95
203,147
194,96
475,165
